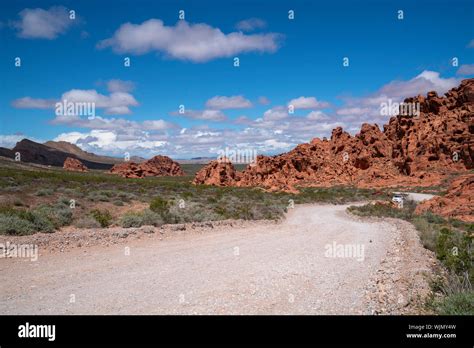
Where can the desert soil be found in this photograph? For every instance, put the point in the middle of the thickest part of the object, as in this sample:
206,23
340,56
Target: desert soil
247,268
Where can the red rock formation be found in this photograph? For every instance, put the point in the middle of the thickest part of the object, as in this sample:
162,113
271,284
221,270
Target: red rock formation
74,165
457,203
218,173
412,150
157,166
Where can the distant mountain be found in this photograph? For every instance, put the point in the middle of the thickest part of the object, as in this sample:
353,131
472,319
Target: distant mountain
88,156
33,152
196,160
54,153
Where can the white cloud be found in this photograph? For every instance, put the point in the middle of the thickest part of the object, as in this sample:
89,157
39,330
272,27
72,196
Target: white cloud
368,109
102,123
466,69
10,140
353,111
308,103
120,86
233,102
117,103
204,115
38,23
33,103
421,84
102,141
184,41
263,100
251,24
317,116
275,114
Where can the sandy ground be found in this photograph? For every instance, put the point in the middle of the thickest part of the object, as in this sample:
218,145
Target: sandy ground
262,268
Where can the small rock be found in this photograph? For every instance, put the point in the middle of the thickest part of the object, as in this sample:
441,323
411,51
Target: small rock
178,227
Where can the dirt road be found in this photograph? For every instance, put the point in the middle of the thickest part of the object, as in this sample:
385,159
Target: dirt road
293,267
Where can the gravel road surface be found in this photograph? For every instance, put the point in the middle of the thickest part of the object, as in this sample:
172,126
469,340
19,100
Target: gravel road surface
296,266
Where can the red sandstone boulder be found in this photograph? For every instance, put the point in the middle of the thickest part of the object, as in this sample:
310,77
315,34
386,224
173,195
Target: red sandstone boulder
457,203
74,165
157,166
218,173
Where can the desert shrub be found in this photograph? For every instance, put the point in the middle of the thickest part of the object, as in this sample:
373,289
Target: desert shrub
14,225
44,192
137,219
428,232
452,243
456,304
118,203
455,251
63,201
87,222
131,220
159,205
125,196
59,214
103,217
44,218
191,212
42,221
386,210
97,196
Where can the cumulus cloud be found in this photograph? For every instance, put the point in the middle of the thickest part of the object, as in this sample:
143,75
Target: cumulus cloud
466,69
308,103
276,113
251,24
204,115
352,111
263,100
37,23
9,140
233,102
116,85
421,84
184,41
102,123
368,108
33,103
317,116
117,103
102,141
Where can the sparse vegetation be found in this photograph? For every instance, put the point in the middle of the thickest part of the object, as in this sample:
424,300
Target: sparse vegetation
451,241
103,217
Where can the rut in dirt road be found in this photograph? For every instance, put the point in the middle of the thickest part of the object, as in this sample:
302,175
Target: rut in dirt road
282,268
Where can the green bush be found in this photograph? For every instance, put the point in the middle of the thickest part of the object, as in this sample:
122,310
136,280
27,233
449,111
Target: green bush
14,225
87,222
456,304
159,205
43,218
103,217
454,250
137,219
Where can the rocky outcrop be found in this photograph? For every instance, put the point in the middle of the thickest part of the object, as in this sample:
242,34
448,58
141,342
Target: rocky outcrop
457,203
218,173
157,166
417,150
74,165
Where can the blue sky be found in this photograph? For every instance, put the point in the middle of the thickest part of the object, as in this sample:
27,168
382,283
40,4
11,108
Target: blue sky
190,62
